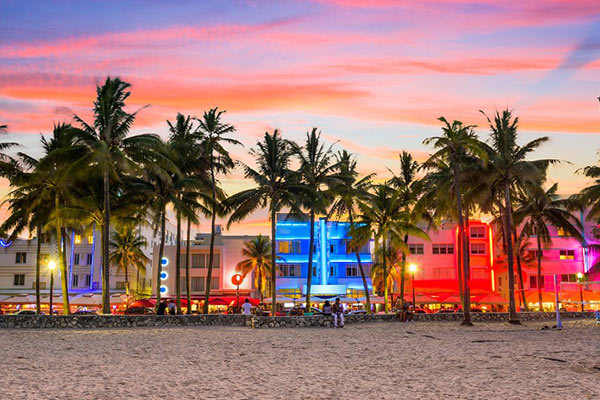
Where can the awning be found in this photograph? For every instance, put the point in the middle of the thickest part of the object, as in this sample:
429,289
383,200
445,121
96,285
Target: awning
19,299
142,303
87,299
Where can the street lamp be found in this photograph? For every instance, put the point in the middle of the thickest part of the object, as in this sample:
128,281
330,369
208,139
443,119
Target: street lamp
579,279
412,268
51,267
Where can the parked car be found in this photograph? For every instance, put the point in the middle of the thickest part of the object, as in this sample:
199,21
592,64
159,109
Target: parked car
85,312
139,311
25,312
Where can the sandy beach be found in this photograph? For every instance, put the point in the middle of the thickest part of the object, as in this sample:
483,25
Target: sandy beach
378,361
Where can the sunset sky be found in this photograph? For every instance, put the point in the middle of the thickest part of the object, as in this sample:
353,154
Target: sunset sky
372,75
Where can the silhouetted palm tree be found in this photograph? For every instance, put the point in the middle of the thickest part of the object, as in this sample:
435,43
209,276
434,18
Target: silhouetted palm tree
127,252
257,253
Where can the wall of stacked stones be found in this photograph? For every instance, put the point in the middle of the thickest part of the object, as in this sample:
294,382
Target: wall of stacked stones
127,321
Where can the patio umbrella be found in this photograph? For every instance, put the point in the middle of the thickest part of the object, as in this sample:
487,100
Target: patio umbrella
19,299
143,303
118,299
87,299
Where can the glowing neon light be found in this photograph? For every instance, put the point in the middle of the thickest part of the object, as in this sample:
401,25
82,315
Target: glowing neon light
324,269
163,289
163,275
4,243
491,248
93,252
493,282
71,260
164,262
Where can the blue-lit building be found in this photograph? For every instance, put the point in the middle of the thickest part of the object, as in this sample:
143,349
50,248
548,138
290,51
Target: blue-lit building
335,268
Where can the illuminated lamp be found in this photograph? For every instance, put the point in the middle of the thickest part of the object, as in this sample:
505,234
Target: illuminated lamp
163,289
164,275
164,262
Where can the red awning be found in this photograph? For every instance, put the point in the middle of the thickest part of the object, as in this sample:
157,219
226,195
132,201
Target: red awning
143,303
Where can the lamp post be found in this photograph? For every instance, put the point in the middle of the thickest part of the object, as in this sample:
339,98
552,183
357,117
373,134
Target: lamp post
579,279
412,268
51,266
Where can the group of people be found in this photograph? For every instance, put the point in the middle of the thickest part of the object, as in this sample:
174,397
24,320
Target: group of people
336,310
167,307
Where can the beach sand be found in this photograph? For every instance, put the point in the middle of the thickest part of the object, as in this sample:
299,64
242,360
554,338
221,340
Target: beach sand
370,361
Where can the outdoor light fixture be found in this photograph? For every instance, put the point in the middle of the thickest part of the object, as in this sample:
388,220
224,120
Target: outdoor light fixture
579,275
51,267
164,275
163,289
164,262
412,268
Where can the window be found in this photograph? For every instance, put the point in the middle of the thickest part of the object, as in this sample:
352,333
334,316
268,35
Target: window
44,258
88,259
443,273
77,239
314,271
331,270
568,278
197,284
567,254
533,282
76,259
351,269
200,260
42,285
21,258
75,280
415,248
561,232
478,248
362,249
214,283
90,239
289,269
478,232
499,281
479,273
45,238
443,249
534,253
19,280
289,247
120,285
332,248
88,279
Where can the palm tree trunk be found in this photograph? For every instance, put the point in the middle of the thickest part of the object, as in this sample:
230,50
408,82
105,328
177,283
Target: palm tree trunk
467,270
105,240
310,259
403,273
64,275
178,264
385,275
513,317
465,250
539,271
520,275
362,271
37,270
212,236
126,270
161,250
187,269
459,266
273,259
259,279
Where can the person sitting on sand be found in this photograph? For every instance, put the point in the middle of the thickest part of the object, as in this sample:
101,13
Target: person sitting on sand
338,313
327,308
246,307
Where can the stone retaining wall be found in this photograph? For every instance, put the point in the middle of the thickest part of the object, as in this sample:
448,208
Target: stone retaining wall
126,321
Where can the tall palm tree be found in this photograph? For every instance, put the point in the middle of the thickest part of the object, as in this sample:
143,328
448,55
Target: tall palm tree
458,141
318,170
347,193
190,185
383,218
410,189
537,209
219,161
278,187
509,169
127,251
257,253
112,152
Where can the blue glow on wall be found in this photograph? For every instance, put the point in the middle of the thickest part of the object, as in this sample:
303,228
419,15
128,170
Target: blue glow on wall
164,262
4,243
163,275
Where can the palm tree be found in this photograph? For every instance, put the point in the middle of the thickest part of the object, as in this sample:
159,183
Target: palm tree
391,267
510,169
458,142
127,252
6,161
277,187
318,170
112,152
219,161
257,253
348,191
383,218
537,209
190,185
410,189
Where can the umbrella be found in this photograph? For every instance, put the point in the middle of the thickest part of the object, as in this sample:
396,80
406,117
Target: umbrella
19,299
87,299
143,303
118,299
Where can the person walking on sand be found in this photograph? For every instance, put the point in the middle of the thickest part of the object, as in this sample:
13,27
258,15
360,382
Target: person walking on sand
338,313
172,307
161,308
246,307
